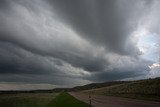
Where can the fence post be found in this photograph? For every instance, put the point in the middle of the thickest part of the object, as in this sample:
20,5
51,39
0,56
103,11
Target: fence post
90,101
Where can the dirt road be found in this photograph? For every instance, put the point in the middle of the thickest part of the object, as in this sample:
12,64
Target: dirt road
108,101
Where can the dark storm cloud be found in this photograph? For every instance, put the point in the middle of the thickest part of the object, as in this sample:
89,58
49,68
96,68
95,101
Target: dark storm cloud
108,23
36,44
15,60
19,65
3,4
114,75
117,72
60,42
120,73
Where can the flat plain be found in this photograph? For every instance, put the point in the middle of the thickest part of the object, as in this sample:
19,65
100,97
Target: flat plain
26,99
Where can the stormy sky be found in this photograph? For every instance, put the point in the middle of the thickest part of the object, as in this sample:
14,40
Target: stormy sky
64,43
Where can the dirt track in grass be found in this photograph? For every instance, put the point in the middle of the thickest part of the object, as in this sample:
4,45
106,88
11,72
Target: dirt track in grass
109,101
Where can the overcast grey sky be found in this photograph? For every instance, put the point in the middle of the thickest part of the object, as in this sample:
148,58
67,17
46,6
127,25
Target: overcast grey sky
64,43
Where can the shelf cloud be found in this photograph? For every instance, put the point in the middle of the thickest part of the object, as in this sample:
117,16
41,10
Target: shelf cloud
58,43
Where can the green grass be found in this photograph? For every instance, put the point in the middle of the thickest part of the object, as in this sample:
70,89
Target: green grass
66,100
40,100
143,89
26,99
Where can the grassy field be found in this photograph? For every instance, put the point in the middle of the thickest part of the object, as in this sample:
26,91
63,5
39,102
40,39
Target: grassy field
66,100
40,100
26,99
143,89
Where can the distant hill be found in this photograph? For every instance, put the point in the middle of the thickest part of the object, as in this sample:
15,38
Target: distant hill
142,89
97,85
60,89
89,86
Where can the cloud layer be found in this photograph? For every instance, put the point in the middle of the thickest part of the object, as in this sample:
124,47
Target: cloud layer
74,42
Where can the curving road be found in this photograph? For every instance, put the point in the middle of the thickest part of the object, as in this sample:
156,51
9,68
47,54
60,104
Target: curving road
109,101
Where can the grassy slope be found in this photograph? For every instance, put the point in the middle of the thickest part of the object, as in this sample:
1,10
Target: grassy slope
66,100
143,89
26,99
97,85
90,86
